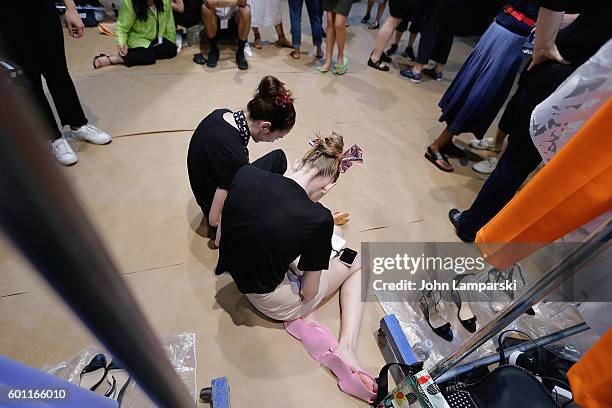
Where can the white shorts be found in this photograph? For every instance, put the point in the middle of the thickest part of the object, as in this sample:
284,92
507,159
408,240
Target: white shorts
285,303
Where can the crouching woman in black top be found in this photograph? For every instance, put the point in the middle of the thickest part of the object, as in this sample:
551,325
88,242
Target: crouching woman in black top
218,147
275,241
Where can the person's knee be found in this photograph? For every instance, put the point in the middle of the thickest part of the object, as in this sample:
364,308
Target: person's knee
207,10
340,22
244,13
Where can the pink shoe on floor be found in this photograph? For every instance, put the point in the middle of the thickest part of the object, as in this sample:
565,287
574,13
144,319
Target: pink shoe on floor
348,381
316,338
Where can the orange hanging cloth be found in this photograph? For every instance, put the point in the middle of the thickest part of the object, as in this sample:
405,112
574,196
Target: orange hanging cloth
591,376
572,189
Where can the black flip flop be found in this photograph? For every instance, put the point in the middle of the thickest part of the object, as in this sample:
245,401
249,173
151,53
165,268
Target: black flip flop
100,56
434,157
199,59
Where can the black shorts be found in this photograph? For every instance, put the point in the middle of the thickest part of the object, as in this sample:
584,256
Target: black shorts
399,8
229,33
191,16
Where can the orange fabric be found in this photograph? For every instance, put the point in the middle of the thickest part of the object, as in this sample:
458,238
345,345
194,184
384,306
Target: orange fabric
591,377
572,189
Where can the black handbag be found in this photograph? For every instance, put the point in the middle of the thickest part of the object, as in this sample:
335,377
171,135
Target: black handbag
507,386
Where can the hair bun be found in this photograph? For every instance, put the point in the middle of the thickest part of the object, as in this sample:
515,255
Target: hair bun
332,145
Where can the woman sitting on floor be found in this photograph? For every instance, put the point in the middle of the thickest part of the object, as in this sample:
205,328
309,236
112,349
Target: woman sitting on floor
275,242
145,33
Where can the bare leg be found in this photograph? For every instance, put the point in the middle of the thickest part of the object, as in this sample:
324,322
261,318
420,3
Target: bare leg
330,40
417,68
282,40
380,11
209,17
340,31
257,41
439,67
383,37
444,138
398,37
499,139
368,10
243,18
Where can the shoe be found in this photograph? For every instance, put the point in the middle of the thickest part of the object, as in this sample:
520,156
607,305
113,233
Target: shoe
63,152
341,69
411,75
241,61
91,134
385,58
94,373
429,305
434,157
119,379
486,166
433,74
392,50
379,65
316,338
365,19
213,58
452,150
501,298
348,381
409,53
454,215
374,26
469,319
199,59
484,144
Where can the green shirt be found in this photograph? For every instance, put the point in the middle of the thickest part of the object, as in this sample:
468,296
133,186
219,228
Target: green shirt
136,33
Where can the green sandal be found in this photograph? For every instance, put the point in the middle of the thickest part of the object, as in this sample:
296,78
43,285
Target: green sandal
341,69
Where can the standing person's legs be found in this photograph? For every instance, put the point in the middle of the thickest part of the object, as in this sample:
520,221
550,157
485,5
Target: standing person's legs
55,71
444,41
330,41
313,7
366,18
521,157
383,37
274,162
280,33
340,31
295,15
209,17
257,40
380,10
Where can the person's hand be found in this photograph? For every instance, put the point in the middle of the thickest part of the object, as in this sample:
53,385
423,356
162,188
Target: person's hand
122,49
74,23
542,54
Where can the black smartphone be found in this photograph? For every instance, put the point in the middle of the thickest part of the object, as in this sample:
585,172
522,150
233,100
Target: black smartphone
348,256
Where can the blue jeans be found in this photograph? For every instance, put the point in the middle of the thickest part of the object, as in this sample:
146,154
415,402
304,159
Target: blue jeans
314,8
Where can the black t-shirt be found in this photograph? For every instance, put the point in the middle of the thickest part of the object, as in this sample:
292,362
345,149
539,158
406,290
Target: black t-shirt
215,154
268,221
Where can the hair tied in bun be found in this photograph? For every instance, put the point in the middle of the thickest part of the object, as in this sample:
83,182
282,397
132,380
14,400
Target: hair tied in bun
284,98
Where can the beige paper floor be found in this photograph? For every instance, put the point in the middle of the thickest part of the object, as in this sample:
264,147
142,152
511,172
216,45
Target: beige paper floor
137,194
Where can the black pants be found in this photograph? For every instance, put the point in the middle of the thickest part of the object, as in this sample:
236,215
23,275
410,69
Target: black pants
438,31
521,156
274,162
148,56
32,38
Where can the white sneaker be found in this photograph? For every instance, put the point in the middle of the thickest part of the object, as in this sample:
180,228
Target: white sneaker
63,152
91,134
486,166
484,144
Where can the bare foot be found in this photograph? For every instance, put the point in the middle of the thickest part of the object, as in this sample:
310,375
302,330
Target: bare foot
319,52
257,42
295,54
283,42
350,358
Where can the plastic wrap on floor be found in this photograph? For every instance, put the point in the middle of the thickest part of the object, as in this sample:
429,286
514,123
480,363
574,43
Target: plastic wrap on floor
427,346
180,349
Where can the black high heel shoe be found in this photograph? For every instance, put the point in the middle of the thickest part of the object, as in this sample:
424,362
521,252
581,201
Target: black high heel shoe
94,373
470,323
443,331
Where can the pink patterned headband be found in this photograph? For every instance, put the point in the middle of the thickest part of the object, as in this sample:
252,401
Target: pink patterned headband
353,155
284,98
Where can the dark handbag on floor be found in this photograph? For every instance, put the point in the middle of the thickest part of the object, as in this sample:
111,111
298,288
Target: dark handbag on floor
508,386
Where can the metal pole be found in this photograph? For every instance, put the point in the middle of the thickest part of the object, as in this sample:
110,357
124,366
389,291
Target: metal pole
44,219
540,289
527,346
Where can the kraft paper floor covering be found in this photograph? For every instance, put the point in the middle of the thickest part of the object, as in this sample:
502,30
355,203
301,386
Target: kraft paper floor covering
137,193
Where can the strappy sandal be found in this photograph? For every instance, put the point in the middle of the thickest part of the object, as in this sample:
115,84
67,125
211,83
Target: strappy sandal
295,54
97,57
434,157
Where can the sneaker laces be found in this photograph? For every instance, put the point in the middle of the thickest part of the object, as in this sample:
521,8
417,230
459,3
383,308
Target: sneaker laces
62,147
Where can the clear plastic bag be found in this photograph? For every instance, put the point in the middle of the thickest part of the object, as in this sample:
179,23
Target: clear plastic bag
180,349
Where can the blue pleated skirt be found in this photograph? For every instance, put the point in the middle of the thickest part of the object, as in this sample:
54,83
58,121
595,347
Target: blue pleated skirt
483,83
